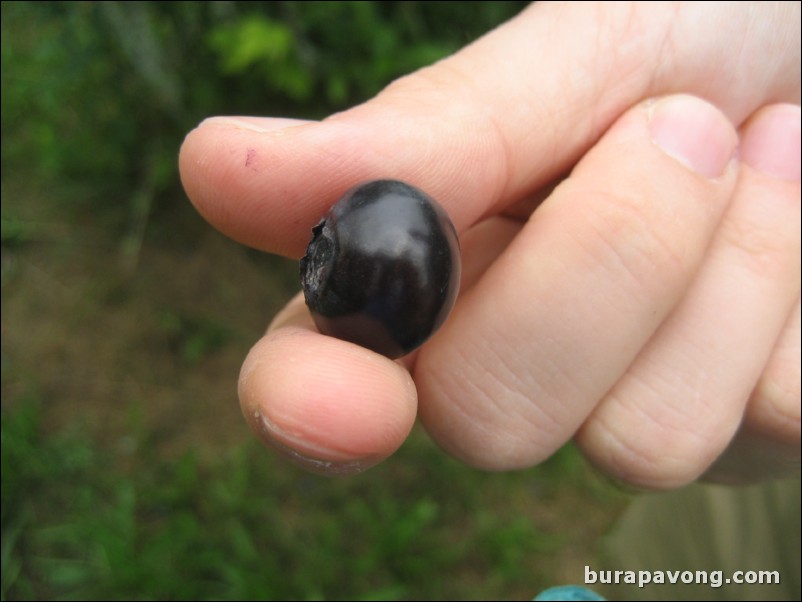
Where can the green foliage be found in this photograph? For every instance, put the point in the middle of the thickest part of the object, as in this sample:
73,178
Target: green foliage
82,524
192,337
269,47
89,88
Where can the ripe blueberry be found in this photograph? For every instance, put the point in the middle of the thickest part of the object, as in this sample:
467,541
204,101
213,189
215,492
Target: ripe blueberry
383,267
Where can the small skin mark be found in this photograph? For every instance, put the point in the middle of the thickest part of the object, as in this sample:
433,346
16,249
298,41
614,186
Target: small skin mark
250,157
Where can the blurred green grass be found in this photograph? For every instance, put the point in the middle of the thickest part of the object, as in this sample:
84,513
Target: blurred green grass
81,522
127,470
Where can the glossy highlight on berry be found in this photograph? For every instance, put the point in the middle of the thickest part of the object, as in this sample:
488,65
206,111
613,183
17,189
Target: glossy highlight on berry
383,268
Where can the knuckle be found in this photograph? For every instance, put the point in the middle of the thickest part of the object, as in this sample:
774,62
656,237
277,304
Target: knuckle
776,400
487,417
774,406
652,456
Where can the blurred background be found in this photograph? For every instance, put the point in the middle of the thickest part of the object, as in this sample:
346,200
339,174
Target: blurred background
127,469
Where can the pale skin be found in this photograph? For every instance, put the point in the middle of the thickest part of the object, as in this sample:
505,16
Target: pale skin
625,181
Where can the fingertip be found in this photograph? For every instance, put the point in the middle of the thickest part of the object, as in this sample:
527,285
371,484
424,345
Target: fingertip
234,171
694,132
330,405
202,173
770,141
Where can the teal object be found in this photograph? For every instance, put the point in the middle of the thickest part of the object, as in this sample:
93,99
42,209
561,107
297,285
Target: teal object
567,592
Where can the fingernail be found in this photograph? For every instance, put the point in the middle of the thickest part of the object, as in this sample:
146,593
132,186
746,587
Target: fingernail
771,142
319,461
255,124
694,133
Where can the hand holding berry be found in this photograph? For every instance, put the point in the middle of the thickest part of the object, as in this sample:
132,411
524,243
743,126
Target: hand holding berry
646,304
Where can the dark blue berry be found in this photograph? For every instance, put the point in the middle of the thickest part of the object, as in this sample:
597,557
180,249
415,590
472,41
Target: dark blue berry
383,267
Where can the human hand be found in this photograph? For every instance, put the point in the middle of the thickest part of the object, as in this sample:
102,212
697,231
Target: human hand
648,307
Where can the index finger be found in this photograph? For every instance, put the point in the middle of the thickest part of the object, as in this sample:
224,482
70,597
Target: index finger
479,130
